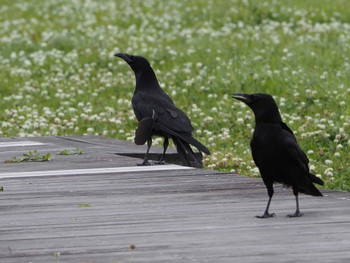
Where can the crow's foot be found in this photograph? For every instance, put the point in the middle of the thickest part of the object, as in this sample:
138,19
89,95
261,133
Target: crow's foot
144,163
266,215
296,214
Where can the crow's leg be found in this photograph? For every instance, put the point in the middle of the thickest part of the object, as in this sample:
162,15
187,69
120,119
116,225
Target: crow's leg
270,192
145,160
165,147
297,211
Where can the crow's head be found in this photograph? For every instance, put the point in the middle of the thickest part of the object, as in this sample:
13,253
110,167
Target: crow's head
137,63
253,100
263,105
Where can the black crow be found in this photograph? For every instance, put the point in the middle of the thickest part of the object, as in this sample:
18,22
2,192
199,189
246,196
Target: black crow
276,151
158,115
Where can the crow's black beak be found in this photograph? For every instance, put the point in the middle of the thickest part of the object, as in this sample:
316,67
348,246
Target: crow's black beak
242,97
124,56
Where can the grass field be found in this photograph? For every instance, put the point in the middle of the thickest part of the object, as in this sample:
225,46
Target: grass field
59,76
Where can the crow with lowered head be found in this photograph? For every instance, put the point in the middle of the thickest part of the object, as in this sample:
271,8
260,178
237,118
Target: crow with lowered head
276,151
158,115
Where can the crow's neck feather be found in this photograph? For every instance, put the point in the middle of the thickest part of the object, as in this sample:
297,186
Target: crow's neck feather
146,79
270,115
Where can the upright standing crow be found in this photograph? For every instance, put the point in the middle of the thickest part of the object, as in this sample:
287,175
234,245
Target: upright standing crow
158,115
276,151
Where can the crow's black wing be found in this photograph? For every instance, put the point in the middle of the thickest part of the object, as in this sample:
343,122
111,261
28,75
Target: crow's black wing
186,137
298,157
169,119
271,141
294,152
290,138
167,113
286,128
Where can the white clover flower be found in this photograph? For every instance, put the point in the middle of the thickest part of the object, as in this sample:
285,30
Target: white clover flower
13,55
328,162
206,159
5,124
240,120
211,166
312,167
27,63
208,119
255,171
158,141
208,133
90,130
130,138
70,125
324,75
214,109
329,172
173,93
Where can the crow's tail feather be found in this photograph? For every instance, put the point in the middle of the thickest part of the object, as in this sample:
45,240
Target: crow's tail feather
307,187
315,179
184,137
191,140
310,190
186,154
181,153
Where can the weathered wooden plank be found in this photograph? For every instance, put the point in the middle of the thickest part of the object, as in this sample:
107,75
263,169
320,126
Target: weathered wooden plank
173,216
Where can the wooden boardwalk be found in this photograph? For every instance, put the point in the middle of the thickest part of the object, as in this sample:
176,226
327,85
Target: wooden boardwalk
70,210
